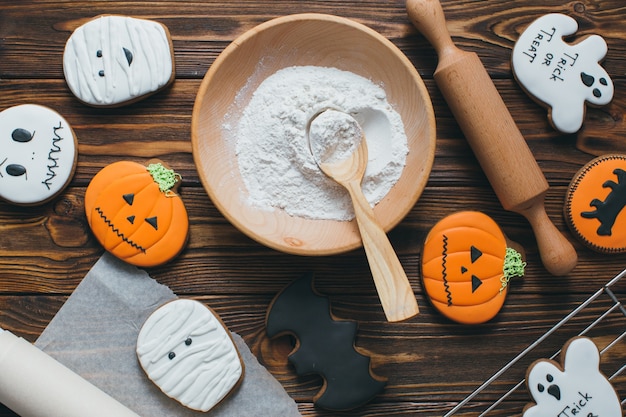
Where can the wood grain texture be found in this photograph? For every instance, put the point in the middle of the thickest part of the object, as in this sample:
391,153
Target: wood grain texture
431,363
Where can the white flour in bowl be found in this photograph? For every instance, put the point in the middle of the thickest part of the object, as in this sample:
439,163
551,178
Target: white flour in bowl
273,154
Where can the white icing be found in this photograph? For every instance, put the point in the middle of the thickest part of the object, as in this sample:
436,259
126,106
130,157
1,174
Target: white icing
203,372
551,70
102,44
36,167
577,389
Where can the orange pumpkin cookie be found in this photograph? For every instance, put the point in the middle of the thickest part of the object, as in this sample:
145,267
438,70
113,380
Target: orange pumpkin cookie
134,213
595,201
466,266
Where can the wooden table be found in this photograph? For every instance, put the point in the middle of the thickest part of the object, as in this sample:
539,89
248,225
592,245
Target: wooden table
430,362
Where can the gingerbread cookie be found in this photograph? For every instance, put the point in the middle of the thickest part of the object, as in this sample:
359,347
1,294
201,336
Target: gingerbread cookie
466,264
135,213
39,154
325,346
187,352
561,75
595,201
575,388
116,60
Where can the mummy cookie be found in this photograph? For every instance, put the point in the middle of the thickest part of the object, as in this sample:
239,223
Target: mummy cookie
466,267
560,75
595,202
38,156
187,352
575,388
135,213
115,60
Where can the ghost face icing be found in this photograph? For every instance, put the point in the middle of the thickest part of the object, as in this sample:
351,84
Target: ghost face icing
186,351
561,75
37,156
112,60
577,389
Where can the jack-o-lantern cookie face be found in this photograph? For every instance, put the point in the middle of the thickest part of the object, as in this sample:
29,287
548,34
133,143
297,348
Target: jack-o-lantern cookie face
577,388
561,75
466,265
114,60
135,215
595,204
37,156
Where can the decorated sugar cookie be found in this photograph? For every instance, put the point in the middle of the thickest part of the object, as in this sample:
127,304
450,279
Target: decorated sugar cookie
325,346
595,204
187,352
466,267
135,213
38,156
563,76
575,388
115,60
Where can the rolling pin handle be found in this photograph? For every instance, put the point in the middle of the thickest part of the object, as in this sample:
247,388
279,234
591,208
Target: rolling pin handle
428,17
557,253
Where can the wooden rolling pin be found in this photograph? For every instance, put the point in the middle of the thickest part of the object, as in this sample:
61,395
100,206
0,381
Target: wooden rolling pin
493,135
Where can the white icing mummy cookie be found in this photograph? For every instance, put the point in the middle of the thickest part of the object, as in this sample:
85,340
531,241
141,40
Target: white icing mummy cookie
187,352
37,156
115,60
578,388
561,75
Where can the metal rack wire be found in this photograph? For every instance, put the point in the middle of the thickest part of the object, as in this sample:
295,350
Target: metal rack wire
615,308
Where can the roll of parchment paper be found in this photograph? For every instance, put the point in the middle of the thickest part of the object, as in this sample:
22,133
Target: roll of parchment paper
33,384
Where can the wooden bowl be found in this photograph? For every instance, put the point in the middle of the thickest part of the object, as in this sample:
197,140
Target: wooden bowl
307,39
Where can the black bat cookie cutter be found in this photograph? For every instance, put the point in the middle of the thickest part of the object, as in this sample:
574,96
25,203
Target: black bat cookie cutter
324,346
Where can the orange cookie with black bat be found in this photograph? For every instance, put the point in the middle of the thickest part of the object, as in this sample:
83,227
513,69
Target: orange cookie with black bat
466,266
135,213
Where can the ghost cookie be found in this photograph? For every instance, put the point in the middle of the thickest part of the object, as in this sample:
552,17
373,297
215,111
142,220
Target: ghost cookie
135,212
577,388
560,75
595,204
466,266
38,158
187,352
115,60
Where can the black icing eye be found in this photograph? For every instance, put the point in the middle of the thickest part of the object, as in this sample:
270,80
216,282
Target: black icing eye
22,135
540,388
128,55
129,198
16,170
188,341
152,221
549,378
171,355
603,81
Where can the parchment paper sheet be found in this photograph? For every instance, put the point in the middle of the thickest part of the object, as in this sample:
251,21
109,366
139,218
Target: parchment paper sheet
95,332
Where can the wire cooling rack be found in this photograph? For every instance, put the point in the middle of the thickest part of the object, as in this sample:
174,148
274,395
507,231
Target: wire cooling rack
602,307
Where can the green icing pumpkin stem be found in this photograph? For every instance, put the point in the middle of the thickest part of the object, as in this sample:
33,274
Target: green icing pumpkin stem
166,178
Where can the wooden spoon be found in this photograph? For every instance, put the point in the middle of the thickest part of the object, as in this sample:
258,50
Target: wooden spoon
393,287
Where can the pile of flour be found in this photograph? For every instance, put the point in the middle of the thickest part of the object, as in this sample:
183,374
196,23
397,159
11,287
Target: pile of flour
273,152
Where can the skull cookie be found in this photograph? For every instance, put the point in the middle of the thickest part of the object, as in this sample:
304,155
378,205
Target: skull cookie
185,349
115,60
578,388
560,75
38,158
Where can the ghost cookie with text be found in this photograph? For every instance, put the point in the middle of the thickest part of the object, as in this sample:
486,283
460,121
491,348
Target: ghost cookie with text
324,346
39,155
466,264
560,75
115,60
186,350
576,387
136,213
